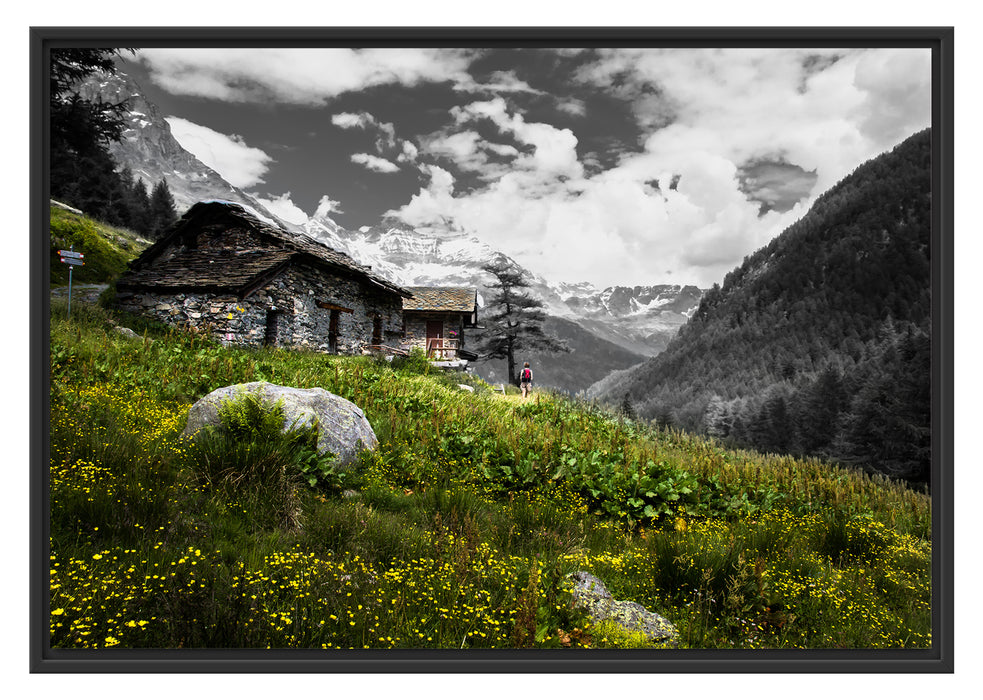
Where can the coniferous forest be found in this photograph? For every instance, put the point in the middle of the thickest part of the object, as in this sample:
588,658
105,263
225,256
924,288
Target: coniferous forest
83,173
820,343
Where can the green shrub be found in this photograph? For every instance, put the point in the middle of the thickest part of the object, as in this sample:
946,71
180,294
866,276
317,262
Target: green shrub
248,418
252,453
416,363
609,635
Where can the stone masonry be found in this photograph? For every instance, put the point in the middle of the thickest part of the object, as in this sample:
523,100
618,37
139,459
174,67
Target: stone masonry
288,305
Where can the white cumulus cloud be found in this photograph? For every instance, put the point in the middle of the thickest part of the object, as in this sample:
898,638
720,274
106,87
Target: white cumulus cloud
386,142
283,207
350,120
297,76
554,150
328,206
374,163
227,154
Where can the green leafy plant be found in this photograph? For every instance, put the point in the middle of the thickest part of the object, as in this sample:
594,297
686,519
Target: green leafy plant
416,363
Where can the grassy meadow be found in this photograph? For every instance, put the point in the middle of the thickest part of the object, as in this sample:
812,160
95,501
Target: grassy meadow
457,532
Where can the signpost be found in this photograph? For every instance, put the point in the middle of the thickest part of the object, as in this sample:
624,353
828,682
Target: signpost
71,258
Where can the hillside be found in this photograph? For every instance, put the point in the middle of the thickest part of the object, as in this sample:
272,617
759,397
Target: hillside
819,343
107,249
458,532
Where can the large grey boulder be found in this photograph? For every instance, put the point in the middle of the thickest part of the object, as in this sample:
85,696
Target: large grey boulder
343,429
590,593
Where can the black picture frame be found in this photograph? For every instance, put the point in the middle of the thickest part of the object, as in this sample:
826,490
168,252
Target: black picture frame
938,659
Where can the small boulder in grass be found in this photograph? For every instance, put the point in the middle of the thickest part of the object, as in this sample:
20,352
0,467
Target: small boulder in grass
343,429
127,332
590,593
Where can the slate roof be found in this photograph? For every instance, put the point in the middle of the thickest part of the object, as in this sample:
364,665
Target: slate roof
463,299
207,271
231,269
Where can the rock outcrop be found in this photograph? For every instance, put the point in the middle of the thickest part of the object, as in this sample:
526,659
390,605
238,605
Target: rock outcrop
343,429
590,593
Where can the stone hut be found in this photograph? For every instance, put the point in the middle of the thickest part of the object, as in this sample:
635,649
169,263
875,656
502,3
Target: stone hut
436,319
223,270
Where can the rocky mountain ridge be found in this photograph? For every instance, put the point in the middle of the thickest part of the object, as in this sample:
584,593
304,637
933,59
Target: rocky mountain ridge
150,151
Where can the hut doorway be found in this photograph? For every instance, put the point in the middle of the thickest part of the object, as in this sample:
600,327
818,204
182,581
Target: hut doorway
377,330
274,320
435,336
333,331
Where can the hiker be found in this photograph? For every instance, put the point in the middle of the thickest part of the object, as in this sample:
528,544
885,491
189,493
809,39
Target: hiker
525,379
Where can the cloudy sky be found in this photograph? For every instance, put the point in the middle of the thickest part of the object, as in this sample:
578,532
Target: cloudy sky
620,166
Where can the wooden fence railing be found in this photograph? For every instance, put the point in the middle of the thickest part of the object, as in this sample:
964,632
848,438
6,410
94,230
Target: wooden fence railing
442,348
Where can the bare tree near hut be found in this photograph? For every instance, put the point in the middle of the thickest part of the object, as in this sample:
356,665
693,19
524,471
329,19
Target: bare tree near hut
515,319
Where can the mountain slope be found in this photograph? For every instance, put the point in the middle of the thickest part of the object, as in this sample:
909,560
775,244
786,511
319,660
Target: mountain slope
152,153
643,319
413,257
820,342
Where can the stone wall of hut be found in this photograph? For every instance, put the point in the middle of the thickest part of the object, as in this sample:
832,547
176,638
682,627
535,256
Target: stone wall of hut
292,310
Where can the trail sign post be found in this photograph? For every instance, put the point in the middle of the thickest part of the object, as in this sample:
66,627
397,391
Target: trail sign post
71,258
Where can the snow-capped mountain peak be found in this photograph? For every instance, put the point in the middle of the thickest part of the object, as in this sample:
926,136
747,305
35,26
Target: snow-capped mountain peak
408,256
640,318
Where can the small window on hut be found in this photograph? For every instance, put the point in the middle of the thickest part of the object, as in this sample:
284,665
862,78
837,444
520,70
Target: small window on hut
377,330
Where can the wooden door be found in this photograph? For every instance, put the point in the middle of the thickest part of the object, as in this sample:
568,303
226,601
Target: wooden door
435,335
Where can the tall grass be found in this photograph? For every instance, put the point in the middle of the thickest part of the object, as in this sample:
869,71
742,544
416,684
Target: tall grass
456,532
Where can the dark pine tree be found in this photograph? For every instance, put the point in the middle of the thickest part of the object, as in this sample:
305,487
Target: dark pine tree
628,408
140,217
818,409
889,424
162,211
773,431
515,319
